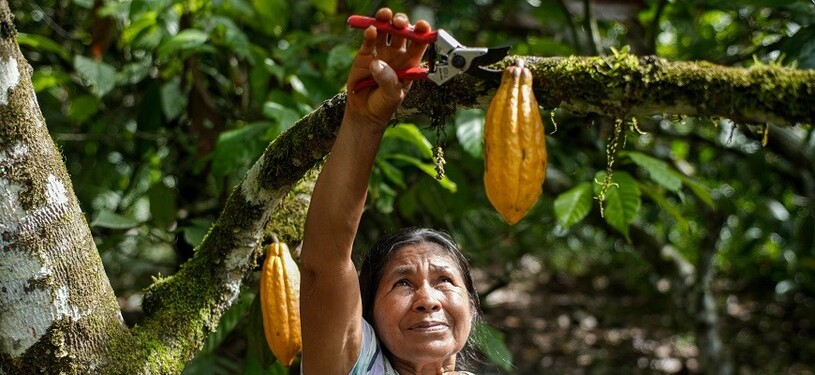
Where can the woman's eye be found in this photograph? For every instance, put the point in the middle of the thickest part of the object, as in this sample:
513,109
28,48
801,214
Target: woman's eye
402,282
445,279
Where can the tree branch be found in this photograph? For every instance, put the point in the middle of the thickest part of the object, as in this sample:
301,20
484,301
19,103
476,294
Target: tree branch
643,86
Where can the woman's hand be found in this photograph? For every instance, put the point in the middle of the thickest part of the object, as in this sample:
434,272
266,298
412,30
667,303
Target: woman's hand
379,58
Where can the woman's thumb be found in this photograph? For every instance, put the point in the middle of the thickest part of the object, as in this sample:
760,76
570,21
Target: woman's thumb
387,80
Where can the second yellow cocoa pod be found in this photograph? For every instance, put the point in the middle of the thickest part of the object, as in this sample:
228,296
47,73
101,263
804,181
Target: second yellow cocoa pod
280,303
514,146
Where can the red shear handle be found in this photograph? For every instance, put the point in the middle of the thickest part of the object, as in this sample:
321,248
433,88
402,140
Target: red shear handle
409,74
362,22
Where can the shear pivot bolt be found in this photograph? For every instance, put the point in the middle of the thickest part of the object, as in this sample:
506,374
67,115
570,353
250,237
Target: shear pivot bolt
459,61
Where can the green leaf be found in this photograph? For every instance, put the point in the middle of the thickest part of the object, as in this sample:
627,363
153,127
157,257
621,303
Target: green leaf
236,149
391,172
234,38
195,232
658,170
328,7
138,25
411,134
186,40
229,321
112,220
272,15
135,72
285,117
659,198
701,191
148,116
573,205
256,347
45,78
469,131
428,168
623,200
340,58
163,206
173,99
43,44
82,108
490,341
100,77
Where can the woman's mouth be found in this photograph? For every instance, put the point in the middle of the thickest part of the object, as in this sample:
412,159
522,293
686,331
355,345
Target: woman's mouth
428,326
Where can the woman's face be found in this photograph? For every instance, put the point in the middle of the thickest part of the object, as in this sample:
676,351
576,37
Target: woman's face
422,312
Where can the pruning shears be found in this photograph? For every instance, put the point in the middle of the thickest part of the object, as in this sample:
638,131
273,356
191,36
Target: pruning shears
446,56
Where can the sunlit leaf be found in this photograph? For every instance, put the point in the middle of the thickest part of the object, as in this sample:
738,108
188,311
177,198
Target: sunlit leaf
393,174
658,170
574,204
490,341
138,25
234,37
186,40
411,134
285,117
112,220
623,200
100,76
47,77
43,44
427,168
469,131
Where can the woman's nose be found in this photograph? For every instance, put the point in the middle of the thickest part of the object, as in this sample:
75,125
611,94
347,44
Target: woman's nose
426,300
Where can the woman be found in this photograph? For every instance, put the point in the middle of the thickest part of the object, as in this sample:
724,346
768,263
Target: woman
414,292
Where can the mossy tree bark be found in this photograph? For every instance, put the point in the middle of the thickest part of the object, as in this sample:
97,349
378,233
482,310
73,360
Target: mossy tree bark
57,307
51,273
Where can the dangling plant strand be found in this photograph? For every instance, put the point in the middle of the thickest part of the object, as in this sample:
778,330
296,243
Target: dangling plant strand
438,161
635,126
765,136
437,121
611,152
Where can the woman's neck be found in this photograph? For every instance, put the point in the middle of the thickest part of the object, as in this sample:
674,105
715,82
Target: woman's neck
444,367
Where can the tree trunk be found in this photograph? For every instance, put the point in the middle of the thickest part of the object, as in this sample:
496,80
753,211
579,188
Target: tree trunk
57,309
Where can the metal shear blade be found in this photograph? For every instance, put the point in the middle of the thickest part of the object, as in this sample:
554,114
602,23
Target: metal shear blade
446,57
456,58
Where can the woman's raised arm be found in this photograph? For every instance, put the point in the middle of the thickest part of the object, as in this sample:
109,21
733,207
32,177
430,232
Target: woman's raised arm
330,304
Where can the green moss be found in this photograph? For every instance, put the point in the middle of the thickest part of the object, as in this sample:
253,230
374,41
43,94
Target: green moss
288,220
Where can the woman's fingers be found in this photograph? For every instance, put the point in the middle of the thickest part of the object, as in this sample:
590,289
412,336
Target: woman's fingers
415,51
400,21
386,15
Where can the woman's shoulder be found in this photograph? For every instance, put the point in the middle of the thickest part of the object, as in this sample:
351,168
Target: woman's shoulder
371,360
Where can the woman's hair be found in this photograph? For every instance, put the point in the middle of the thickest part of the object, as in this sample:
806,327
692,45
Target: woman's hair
382,251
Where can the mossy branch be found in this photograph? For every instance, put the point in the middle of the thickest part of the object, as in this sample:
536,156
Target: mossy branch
645,86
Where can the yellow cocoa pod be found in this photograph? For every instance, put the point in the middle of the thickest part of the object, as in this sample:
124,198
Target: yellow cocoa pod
280,303
514,146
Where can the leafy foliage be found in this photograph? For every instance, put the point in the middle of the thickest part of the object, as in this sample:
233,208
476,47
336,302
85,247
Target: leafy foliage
161,106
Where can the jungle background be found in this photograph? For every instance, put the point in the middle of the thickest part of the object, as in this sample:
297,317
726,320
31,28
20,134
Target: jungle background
708,235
